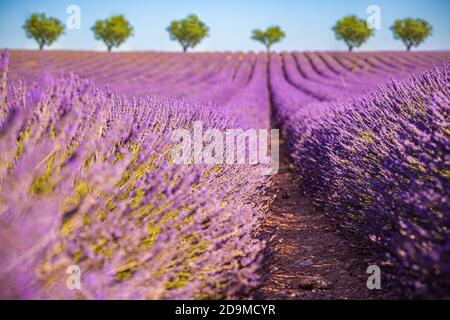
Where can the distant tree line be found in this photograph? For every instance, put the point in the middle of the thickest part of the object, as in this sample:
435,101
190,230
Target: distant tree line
355,31
190,31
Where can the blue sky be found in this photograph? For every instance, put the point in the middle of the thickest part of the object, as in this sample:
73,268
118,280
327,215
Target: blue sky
307,23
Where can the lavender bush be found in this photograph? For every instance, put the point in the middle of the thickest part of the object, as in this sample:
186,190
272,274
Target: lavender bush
380,167
87,179
86,176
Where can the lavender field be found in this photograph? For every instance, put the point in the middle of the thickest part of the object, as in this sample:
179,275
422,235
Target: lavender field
87,178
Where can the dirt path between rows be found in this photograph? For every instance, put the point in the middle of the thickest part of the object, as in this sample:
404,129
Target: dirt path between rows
307,258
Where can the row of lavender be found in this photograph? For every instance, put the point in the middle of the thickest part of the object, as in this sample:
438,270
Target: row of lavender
190,76
128,138
379,163
140,74
87,180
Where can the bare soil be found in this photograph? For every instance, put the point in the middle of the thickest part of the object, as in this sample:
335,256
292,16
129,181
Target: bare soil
306,256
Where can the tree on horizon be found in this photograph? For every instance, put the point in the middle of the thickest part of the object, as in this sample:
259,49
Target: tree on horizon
113,31
268,37
412,32
44,30
353,31
189,32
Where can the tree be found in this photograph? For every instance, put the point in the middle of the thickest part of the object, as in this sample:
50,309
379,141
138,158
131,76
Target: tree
189,32
113,31
272,35
45,30
353,31
411,31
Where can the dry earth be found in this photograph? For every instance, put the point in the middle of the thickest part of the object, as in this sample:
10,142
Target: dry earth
307,258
